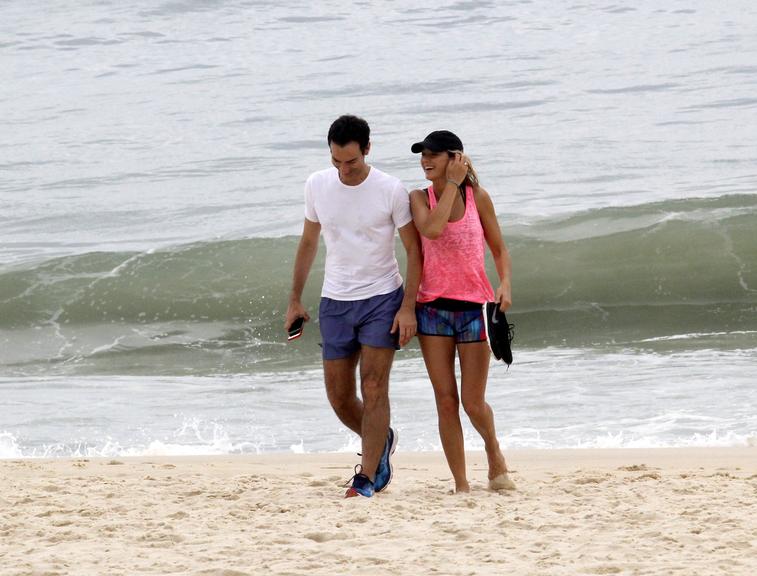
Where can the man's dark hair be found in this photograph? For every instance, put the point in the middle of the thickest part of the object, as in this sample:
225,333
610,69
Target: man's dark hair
348,128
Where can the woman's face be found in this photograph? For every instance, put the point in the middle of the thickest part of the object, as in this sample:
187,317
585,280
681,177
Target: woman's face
434,164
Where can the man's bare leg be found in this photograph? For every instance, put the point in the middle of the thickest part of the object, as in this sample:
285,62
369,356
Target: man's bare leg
375,365
341,390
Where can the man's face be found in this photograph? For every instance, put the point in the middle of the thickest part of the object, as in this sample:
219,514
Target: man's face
349,160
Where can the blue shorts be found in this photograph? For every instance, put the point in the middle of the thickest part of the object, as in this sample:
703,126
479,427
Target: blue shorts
462,325
346,325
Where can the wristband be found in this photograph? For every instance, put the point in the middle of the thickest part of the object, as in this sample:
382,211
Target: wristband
453,182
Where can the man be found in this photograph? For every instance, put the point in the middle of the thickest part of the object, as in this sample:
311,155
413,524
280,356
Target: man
364,313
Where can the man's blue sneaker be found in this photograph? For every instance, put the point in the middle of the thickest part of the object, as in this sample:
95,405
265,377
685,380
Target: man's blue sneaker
384,471
361,485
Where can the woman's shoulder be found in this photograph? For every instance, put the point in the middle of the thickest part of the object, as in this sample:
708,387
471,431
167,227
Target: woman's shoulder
482,198
480,193
419,193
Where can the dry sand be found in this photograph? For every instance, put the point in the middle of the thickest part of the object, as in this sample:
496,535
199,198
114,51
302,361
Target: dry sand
677,511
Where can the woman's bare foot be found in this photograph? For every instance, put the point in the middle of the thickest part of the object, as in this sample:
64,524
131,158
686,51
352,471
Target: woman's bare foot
497,464
462,488
498,478
501,482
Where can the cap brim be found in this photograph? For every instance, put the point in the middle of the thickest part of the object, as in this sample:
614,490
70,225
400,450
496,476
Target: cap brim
421,146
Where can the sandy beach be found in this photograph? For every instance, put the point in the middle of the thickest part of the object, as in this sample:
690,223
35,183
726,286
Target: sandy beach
661,511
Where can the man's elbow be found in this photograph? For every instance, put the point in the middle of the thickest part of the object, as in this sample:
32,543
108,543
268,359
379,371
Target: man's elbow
308,245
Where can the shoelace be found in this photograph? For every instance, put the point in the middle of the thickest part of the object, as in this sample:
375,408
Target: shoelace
349,482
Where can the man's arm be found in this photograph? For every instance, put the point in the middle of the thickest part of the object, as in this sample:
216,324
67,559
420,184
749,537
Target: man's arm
306,252
404,320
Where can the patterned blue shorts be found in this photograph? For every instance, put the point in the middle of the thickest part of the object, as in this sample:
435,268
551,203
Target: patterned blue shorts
462,325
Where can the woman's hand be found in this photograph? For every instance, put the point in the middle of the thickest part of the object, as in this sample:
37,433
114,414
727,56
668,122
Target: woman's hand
503,296
457,168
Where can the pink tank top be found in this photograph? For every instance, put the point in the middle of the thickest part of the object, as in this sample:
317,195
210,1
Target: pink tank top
453,264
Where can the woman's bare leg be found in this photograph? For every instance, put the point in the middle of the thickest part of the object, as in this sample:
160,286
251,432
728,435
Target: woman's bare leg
474,367
439,356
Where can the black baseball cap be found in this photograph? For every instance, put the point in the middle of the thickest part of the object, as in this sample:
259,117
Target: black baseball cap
438,141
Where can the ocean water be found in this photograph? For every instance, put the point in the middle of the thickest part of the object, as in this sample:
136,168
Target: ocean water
152,159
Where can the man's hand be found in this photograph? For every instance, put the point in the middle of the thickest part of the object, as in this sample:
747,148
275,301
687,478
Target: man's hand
405,322
303,260
295,310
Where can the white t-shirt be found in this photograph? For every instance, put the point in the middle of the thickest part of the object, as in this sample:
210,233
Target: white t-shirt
358,224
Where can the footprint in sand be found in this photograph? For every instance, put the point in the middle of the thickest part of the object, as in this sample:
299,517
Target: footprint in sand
321,536
649,476
634,468
606,570
60,523
221,573
319,483
590,480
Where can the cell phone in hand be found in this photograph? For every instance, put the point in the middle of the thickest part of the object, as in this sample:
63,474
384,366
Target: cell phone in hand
295,330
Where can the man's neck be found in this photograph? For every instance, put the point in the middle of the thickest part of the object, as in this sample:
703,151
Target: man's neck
358,179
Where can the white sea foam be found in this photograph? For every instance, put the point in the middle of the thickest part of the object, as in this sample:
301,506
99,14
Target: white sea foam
9,446
550,398
10,449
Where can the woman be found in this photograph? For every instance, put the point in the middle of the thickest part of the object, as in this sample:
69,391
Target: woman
455,217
